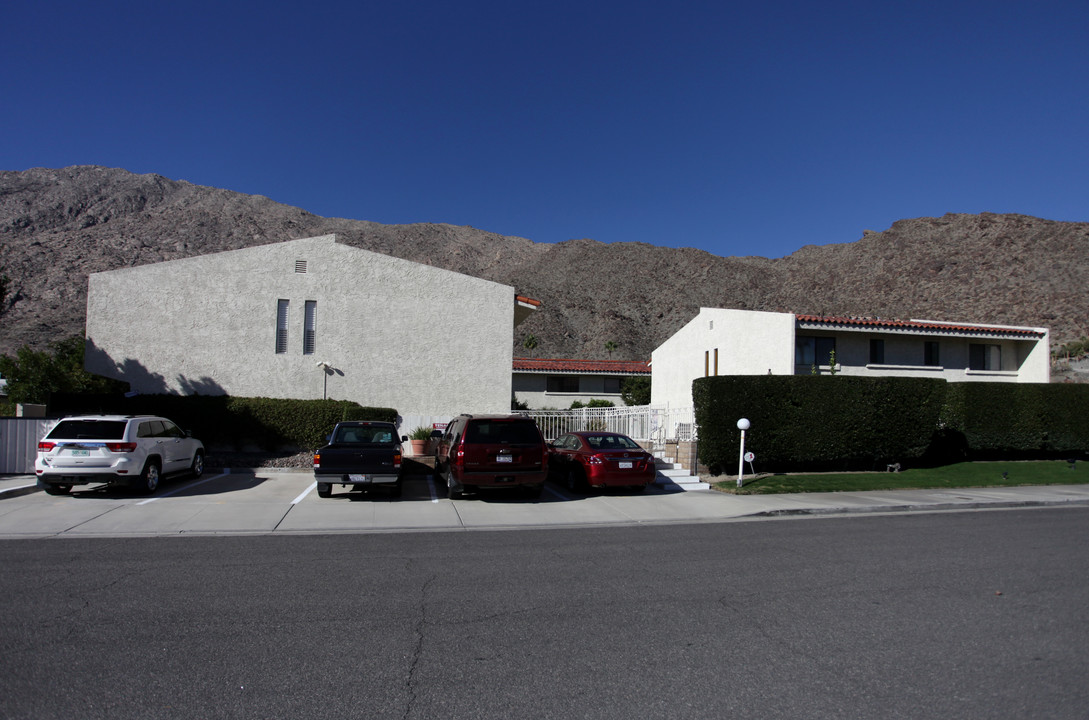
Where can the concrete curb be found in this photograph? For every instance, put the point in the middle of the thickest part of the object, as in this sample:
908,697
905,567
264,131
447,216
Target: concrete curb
920,507
20,491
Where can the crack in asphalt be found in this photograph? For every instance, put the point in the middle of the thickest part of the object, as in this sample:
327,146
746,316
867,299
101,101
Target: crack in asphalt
421,623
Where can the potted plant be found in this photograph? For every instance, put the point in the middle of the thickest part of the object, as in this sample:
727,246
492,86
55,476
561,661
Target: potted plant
418,440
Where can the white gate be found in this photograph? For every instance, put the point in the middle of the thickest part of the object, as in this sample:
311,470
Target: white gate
19,443
639,422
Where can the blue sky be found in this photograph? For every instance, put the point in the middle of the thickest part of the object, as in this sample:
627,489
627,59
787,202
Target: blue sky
737,128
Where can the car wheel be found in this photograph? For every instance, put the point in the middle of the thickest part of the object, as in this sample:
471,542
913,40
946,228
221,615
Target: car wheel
149,478
452,492
574,480
197,468
325,489
58,489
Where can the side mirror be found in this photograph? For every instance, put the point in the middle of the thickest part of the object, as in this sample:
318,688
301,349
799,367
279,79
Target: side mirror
404,438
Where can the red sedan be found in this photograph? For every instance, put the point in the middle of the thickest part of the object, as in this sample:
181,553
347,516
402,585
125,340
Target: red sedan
600,459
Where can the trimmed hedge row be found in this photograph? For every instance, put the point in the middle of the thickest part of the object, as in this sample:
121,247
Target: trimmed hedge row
851,423
1006,420
223,422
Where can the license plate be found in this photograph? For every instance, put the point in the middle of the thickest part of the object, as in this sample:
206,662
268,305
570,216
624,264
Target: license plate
360,478
80,453
505,458
625,465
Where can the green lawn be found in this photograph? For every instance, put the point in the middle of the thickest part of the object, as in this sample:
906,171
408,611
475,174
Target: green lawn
968,474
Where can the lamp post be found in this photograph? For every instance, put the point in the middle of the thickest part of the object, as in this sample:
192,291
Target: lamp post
742,425
324,379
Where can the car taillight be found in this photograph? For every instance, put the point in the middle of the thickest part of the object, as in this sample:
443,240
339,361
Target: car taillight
459,456
396,460
121,447
46,446
317,461
596,460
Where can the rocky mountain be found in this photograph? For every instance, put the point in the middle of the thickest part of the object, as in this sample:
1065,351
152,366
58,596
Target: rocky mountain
56,226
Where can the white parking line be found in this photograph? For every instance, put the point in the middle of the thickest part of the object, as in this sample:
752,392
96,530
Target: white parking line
304,493
179,489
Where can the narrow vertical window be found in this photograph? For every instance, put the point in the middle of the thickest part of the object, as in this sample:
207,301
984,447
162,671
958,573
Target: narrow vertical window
716,361
706,363
877,352
930,353
281,326
310,326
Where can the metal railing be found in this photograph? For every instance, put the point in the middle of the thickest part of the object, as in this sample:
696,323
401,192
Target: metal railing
640,422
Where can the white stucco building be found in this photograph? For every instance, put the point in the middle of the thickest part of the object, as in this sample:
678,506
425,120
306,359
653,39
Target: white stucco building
261,321
743,342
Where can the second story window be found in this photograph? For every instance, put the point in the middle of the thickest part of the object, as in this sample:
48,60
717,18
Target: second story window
310,326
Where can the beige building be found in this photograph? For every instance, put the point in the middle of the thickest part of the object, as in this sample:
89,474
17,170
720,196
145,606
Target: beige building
309,318
552,383
743,342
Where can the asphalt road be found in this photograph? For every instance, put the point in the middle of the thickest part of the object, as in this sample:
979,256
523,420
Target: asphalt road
965,615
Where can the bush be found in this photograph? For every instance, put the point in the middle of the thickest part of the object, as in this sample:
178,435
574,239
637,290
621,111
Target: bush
226,422
817,422
841,423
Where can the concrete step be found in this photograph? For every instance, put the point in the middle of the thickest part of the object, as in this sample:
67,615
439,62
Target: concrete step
680,478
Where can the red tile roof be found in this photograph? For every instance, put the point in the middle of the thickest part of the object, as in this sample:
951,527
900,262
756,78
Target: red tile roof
583,367
938,327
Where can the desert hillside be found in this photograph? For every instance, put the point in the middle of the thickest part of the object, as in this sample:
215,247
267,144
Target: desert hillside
56,226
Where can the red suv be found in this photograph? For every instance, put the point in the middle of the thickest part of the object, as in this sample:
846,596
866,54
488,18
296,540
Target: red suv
492,451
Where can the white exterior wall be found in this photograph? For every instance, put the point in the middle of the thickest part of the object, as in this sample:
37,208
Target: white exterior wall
426,341
748,343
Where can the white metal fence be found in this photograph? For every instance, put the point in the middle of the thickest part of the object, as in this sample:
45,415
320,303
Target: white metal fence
640,422
19,443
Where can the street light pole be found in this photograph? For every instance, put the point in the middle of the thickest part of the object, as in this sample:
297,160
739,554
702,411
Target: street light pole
324,379
742,425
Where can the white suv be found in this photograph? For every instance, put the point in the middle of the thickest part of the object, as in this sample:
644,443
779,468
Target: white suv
135,450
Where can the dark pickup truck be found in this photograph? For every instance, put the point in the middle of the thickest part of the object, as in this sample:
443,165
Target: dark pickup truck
361,454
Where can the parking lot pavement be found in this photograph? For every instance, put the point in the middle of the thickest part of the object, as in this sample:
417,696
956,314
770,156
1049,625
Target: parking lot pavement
266,502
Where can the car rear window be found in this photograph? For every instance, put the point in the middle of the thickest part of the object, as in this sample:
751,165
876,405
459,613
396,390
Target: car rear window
364,435
502,431
88,430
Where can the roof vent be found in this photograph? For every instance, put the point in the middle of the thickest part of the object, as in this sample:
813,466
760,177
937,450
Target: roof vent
300,266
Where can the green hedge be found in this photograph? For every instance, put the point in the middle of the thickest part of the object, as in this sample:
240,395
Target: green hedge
816,422
223,422
843,423
999,420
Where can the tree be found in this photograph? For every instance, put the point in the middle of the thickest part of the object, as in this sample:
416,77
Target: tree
33,375
5,288
610,346
530,342
635,391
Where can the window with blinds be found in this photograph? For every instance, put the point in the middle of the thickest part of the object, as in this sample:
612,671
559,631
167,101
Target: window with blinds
281,326
310,326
